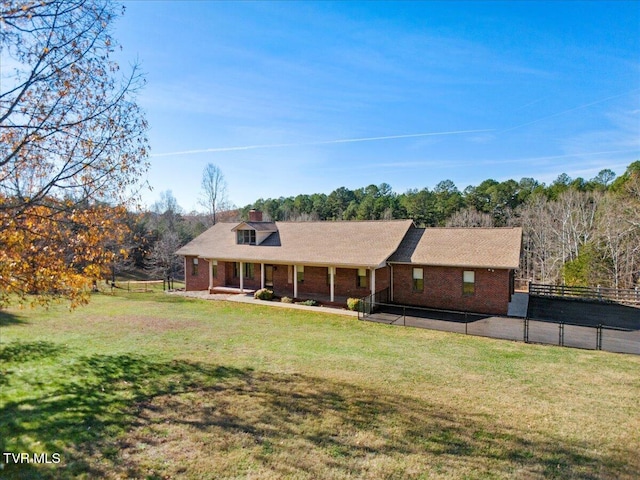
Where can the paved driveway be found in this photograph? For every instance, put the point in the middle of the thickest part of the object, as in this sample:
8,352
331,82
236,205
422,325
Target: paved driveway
510,328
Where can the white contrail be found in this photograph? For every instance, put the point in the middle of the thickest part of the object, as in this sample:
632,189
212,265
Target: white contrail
602,100
325,142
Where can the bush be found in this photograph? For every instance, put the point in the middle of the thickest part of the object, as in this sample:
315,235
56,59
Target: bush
286,300
308,303
263,294
353,303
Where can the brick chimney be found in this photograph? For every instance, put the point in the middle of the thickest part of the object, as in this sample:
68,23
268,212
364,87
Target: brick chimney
255,216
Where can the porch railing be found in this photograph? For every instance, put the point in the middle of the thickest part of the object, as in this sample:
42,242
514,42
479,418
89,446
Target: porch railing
368,303
629,296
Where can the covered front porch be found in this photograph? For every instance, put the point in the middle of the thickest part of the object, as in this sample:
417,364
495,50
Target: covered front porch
325,284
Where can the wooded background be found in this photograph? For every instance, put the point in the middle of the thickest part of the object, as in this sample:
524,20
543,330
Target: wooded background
575,232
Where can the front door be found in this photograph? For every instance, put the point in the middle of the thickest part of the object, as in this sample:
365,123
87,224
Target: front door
268,276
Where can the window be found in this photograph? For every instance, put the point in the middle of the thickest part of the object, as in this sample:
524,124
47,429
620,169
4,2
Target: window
468,282
362,278
248,270
194,266
418,279
300,269
247,237
236,269
214,268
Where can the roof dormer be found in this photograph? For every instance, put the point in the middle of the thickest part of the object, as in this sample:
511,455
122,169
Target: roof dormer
246,236
253,233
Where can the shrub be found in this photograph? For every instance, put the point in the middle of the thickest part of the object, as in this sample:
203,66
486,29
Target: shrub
263,294
286,300
308,303
353,303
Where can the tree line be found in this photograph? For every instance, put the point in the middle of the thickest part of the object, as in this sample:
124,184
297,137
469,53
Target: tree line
575,231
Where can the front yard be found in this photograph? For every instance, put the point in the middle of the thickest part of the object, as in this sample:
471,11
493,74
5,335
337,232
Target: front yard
154,386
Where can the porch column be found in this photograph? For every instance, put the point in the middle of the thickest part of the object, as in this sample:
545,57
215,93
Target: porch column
186,287
262,275
210,274
295,281
241,273
373,282
332,274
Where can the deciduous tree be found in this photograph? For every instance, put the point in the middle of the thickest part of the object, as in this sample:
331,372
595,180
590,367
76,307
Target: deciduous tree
214,191
72,139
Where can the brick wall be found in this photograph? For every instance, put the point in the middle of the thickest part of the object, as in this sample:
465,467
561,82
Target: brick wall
200,281
315,281
382,278
346,283
248,283
220,278
281,285
443,289
253,283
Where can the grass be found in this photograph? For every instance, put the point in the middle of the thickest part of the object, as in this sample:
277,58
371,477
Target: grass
153,386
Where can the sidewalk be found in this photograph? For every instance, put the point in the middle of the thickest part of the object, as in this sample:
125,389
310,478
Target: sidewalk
244,298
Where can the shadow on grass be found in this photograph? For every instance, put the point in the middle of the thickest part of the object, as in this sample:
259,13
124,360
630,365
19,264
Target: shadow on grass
29,351
92,401
17,353
7,319
129,416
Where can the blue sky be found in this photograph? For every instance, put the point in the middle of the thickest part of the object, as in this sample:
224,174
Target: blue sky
300,97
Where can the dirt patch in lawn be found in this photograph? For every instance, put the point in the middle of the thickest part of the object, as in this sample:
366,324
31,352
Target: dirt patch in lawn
138,323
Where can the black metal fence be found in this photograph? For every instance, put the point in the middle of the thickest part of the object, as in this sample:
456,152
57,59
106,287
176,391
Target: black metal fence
369,304
598,337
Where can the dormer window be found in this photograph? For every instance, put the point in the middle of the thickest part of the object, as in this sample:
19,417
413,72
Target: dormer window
253,233
247,237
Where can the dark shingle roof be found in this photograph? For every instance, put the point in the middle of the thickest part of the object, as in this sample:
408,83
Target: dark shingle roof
364,244
461,247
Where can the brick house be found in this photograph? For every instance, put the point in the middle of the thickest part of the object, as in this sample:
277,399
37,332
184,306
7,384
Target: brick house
463,268
469,269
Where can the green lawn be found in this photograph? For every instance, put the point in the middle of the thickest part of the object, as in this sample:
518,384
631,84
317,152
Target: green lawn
154,386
